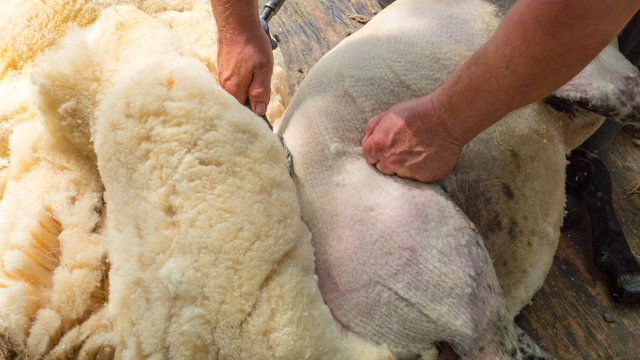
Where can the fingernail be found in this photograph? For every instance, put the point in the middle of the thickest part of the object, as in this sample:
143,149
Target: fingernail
261,108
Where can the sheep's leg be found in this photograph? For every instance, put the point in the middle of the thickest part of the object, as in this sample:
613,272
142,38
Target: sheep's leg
588,176
400,264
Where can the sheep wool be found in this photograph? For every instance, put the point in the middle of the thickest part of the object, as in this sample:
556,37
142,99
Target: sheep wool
144,212
31,26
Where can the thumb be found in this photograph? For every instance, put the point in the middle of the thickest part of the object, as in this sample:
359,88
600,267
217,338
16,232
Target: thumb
369,149
260,90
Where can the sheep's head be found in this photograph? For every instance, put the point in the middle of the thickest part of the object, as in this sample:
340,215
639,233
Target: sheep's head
608,86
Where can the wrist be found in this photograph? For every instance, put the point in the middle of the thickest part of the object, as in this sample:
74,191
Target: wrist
450,119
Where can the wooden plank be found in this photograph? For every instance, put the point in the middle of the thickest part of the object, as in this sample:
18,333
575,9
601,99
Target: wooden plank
623,161
573,315
307,29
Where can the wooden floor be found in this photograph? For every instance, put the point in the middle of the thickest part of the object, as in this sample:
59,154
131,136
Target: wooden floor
573,316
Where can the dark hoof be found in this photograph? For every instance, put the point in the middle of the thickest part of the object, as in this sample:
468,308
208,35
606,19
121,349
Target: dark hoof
628,288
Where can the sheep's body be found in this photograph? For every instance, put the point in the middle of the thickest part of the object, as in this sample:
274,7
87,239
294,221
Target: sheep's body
397,261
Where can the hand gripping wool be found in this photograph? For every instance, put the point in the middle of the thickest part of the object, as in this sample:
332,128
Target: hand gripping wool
428,276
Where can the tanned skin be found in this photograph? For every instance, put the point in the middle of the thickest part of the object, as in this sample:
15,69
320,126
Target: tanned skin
422,138
245,58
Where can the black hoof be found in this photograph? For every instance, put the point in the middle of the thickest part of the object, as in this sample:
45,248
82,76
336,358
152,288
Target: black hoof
588,177
616,260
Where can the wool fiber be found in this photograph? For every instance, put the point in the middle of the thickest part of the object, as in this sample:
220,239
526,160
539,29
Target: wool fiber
145,213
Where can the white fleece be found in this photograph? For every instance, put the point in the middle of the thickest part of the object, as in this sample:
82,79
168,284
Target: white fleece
54,266
209,256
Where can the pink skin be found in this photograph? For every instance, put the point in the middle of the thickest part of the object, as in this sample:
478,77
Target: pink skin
417,144
411,271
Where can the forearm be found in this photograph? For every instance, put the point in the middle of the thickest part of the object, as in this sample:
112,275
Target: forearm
234,17
539,46
245,59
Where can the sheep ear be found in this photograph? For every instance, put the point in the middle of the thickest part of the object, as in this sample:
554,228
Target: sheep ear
609,86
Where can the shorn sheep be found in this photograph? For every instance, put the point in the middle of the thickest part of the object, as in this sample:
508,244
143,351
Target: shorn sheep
404,263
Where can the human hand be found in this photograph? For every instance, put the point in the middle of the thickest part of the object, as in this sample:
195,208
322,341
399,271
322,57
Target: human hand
411,141
245,65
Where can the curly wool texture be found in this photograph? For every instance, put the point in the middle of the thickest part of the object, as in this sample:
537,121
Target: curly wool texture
54,258
209,256
31,26
53,263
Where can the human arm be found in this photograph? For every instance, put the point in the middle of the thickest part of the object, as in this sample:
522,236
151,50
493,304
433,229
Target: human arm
538,46
245,58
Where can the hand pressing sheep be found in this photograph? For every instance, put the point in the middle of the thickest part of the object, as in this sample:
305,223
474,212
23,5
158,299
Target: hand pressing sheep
395,260
500,77
412,139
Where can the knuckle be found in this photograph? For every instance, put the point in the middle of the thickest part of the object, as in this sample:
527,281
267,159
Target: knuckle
379,144
260,93
228,83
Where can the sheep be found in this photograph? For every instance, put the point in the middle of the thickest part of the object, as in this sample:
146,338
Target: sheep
404,263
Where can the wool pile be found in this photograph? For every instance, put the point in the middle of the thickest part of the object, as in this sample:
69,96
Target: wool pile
144,213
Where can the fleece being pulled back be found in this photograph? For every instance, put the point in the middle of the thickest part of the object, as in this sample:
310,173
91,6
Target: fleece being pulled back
200,250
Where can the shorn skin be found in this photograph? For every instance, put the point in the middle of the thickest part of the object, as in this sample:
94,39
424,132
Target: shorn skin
401,262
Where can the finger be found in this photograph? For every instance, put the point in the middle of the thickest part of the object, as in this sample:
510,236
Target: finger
235,83
372,123
260,90
368,150
370,146
384,169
